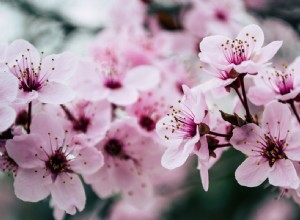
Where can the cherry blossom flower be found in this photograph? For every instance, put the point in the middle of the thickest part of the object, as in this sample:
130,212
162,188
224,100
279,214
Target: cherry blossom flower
84,118
130,158
49,163
276,85
42,78
8,94
118,86
180,130
270,149
149,108
244,54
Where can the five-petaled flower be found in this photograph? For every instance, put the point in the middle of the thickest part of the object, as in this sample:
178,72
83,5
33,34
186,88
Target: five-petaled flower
270,149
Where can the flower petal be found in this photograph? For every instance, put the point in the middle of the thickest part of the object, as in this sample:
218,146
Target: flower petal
292,146
284,174
56,93
142,78
68,193
245,138
176,156
64,66
8,88
123,96
277,118
255,95
267,52
31,185
88,160
254,36
7,117
26,151
252,172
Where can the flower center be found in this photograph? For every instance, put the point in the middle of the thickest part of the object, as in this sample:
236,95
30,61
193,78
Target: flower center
273,150
57,162
182,124
29,76
221,15
147,123
113,147
237,51
81,124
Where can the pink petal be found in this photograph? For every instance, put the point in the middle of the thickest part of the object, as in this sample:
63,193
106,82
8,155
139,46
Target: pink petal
7,117
194,103
64,66
164,132
284,174
212,51
142,78
25,97
8,88
254,95
43,124
20,47
292,146
249,67
88,160
252,172
124,96
250,31
31,185
68,193
140,193
26,151
176,156
203,167
103,182
277,119
267,52
56,93
245,138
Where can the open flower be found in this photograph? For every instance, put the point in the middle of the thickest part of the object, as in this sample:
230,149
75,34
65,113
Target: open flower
244,54
118,85
130,159
42,78
276,85
49,163
270,149
180,130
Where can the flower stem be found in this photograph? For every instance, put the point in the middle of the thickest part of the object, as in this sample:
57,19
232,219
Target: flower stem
213,147
248,115
292,104
220,135
29,117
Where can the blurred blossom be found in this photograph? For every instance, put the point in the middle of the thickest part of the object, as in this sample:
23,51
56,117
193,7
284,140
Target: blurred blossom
274,209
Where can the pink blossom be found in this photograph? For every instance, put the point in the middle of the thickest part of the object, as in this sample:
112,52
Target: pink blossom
8,94
180,130
270,149
130,158
118,86
84,118
49,163
42,78
244,54
276,85
149,108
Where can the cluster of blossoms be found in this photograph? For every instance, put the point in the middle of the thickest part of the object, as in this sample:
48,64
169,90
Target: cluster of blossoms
125,116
